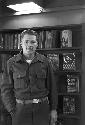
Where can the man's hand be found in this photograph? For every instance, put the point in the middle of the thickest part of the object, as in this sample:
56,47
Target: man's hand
53,117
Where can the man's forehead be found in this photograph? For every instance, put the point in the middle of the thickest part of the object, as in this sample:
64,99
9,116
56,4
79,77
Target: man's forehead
27,36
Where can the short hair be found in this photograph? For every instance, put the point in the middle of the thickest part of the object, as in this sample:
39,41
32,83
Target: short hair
29,32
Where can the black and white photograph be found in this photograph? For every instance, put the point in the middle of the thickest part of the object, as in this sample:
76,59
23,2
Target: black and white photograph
42,62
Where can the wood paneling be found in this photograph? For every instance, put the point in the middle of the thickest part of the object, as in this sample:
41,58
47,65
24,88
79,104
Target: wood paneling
43,19
59,3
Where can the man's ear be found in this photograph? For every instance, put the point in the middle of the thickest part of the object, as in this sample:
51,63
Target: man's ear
36,44
20,43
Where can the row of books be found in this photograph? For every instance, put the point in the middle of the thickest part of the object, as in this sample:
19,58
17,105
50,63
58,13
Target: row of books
55,39
10,41
69,61
45,38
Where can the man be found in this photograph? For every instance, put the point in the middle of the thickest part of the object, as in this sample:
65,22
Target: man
28,87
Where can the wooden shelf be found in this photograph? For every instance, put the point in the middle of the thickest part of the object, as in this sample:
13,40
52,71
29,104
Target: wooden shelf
68,116
51,50
61,50
67,71
74,94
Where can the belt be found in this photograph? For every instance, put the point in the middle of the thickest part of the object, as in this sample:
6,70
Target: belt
32,101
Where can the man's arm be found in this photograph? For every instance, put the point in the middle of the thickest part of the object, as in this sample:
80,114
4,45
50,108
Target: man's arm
7,89
53,95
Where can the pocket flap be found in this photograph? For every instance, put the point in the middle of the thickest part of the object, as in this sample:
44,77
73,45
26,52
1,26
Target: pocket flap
41,75
19,75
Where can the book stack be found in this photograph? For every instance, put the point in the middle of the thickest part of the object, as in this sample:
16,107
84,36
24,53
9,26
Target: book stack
10,41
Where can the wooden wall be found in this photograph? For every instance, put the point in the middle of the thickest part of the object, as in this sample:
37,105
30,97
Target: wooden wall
43,19
61,3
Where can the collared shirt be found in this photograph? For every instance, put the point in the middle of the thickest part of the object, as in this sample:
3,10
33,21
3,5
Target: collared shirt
24,81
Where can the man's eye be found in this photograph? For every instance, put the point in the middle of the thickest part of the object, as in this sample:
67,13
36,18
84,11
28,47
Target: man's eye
26,41
32,41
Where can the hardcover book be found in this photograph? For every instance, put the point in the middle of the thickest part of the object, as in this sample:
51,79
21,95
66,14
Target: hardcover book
72,83
1,41
66,38
69,61
49,39
41,39
19,41
68,105
16,41
54,59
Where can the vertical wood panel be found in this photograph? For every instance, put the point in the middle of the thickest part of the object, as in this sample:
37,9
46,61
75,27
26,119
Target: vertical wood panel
83,78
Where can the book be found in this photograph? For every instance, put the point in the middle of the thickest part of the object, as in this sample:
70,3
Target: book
11,41
55,39
19,41
39,39
1,41
54,59
72,83
68,105
6,40
66,38
49,38
69,61
15,46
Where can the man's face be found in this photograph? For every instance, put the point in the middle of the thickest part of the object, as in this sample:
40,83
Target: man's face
29,44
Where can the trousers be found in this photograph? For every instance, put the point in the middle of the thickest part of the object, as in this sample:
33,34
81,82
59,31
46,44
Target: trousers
31,114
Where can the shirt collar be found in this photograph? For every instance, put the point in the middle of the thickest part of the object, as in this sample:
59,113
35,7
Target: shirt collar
38,57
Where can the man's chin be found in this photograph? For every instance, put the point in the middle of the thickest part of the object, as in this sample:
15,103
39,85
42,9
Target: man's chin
28,51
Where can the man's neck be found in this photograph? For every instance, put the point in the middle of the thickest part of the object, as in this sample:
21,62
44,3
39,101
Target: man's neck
29,56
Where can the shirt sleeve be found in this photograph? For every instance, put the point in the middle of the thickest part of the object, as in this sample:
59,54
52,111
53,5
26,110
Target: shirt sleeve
7,89
52,87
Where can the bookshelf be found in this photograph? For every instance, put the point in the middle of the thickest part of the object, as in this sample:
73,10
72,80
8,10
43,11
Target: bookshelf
62,45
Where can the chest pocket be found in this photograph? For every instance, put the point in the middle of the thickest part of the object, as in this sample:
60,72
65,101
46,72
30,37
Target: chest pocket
41,80
20,80
41,75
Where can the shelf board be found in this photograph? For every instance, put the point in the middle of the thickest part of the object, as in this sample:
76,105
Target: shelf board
61,50
52,50
67,116
78,94
6,51
67,71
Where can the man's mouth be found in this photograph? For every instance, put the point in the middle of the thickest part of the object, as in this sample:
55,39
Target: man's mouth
30,48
